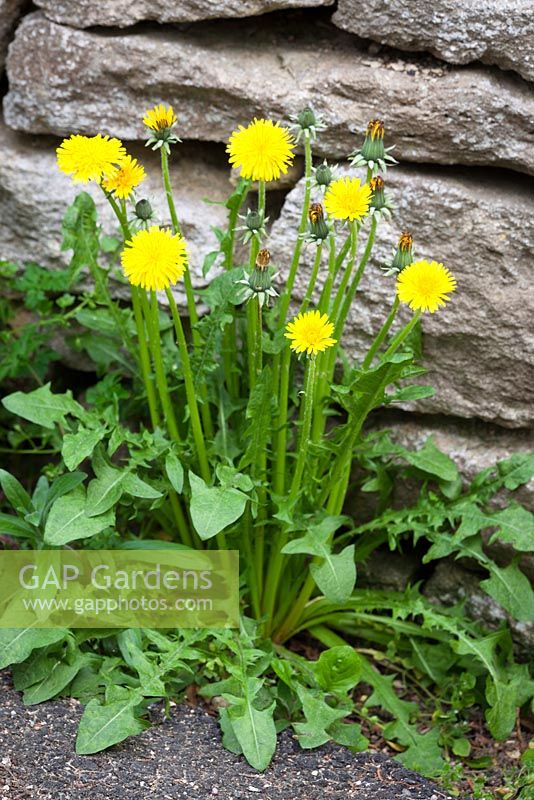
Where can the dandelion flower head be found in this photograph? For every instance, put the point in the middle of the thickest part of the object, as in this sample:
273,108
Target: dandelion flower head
310,333
155,258
262,151
125,178
348,199
90,158
425,285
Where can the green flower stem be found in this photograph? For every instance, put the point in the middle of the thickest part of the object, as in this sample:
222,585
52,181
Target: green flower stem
152,322
189,292
198,435
254,361
335,264
96,273
279,362
252,338
253,334
229,352
144,357
324,300
229,336
304,439
329,357
340,258
339,320
286,297
320,395
383,332
348,270
341,317
277,557
282,363
260,469
292,620
337,485
191,305
280,439
120,213
232,224
313,279
181,522
402,335
252,566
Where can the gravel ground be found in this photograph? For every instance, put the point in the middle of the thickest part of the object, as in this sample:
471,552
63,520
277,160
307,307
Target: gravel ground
181,758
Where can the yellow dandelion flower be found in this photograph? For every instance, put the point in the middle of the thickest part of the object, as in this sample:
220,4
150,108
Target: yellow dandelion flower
160,117
125,178
89,158
310,333
155,258
346,198
425,285
263,150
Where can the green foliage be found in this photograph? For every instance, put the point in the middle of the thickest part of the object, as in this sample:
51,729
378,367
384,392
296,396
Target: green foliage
214,508
217,427
42,406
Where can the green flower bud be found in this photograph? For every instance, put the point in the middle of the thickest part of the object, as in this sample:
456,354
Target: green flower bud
323,175
318,226
373,154
143,210
306,119
378,198
254,220
402,256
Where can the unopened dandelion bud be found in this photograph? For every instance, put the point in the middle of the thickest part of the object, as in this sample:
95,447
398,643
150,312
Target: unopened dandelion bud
404,252
373,153
381,206
318,227
143,210
260,283
260,280
254,226
307,122
306,118
323,175
378,199
254,220
402,256
373,145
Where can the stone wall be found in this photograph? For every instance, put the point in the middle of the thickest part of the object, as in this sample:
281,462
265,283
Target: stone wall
455,97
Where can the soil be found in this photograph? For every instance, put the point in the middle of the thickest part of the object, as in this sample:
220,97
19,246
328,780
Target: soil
181,757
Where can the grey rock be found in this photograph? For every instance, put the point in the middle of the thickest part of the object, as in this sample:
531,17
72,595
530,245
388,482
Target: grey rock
34,196
10,11
451,583
480,348
64,80
122,13
459,31
388,570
